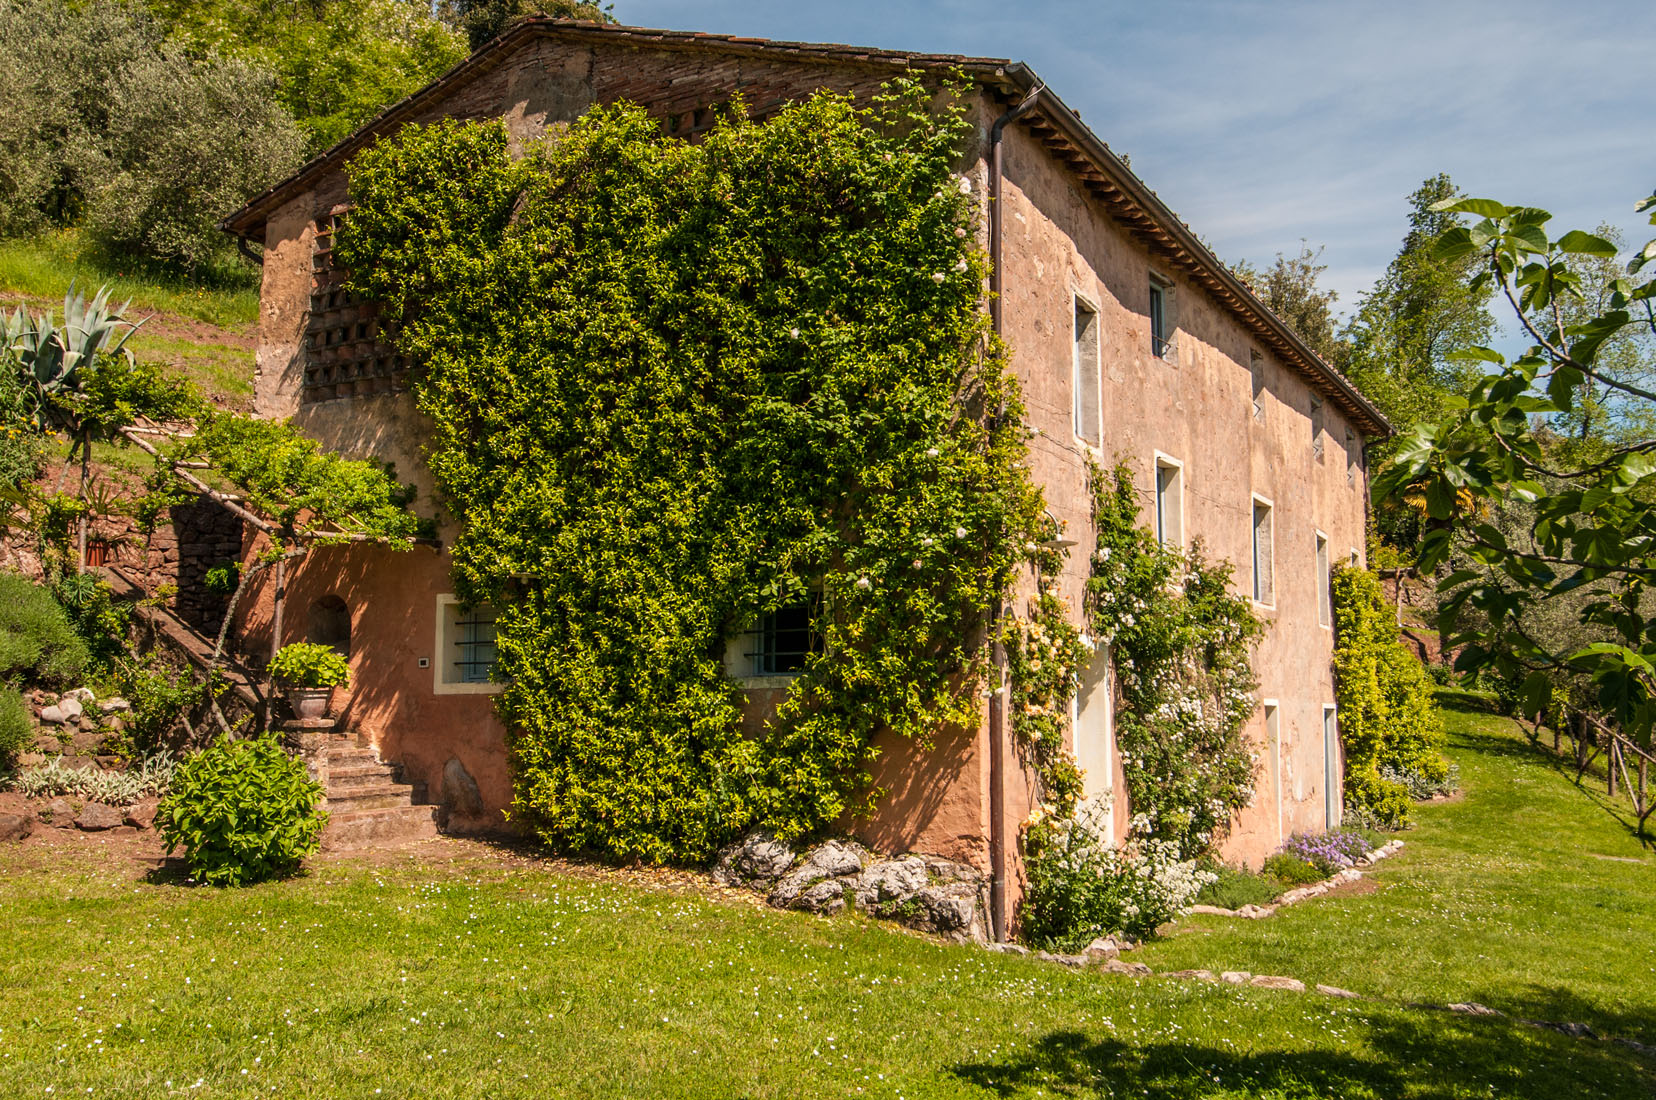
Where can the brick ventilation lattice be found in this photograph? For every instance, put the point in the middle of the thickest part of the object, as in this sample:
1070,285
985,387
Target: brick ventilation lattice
345,352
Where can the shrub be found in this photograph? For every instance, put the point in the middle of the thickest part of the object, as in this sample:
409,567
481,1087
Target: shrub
1233,887
1388,715
308,665
1293,870
54,778
243,811
16,726
159,696
101,620
1082,887
1330,852
1420,785
38,643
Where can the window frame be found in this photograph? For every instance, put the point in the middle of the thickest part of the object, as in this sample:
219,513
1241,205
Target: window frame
1324,565
1261,597
445,639
1081,304
1159,462
1163,320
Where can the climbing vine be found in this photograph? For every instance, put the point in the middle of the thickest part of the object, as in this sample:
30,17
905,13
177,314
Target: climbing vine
677,386
1045,652
1182,643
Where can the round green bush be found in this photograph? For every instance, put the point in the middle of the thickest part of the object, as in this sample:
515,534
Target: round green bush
38,644
308,665
16,726
1293,870
243,811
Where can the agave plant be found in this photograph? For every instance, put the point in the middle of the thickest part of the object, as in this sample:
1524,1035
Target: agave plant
52,358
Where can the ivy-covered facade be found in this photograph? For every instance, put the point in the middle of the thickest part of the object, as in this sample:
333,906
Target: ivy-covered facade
1131,346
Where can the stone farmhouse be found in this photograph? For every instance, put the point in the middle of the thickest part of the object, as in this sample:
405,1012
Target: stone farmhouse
1131,341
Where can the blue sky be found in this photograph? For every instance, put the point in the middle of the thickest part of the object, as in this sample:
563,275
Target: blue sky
1262,123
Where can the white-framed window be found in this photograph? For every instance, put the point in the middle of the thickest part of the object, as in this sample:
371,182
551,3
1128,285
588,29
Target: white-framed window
1273,758
1317,427
777,645
1264,564
1331,765
1086,376
1325,607
1169,473
465,660
1162,320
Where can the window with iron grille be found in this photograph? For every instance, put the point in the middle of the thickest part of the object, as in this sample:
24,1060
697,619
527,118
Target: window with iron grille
473,645
781,641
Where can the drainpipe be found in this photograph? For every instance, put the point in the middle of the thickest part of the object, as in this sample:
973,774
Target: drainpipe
997,657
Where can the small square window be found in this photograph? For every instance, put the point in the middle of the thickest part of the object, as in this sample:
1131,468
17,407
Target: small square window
466,655
780,643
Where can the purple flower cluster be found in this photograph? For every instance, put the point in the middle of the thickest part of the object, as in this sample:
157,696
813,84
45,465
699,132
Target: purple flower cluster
1329,852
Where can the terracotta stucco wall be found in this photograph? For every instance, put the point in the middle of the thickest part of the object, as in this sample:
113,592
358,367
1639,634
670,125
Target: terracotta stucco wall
1196,406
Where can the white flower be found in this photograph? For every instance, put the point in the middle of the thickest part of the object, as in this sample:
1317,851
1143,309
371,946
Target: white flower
960,232
864,583
965,185
960,265
925,542
794,333
938,276
960,532
1104,553
917,563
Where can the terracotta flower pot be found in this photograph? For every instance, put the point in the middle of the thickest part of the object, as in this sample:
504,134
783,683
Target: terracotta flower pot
309,702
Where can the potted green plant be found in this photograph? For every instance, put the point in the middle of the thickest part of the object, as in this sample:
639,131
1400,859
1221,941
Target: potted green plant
308,674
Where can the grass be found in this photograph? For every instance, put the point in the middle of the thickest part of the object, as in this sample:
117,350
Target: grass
42,268
462,970
203,332
1527,895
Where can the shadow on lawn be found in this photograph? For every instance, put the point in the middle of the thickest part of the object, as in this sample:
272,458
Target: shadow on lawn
1419,1055
1556,1005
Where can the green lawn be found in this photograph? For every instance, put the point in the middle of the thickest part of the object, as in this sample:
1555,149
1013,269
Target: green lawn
43,267
461,970
1528,895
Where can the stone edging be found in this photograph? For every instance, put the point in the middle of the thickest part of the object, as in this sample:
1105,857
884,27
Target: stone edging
1300,893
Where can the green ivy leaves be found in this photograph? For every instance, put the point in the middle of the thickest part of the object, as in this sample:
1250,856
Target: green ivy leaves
676,386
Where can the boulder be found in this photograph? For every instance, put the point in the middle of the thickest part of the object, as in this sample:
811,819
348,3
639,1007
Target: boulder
141,815
1235,977
1255,912
110,706
1008,948
53,715
891,882
949,909
58,813
1074,962
1104,947
1334,991
1275,981
30,759
1192,975
757,858
70,708
833,860
826,897
1117,966
1211,911
80,695
95,817
460,793
15,826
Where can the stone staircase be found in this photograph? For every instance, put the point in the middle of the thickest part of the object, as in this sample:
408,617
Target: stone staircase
368,805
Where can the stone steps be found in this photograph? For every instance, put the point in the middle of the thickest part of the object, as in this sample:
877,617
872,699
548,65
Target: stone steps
368,806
